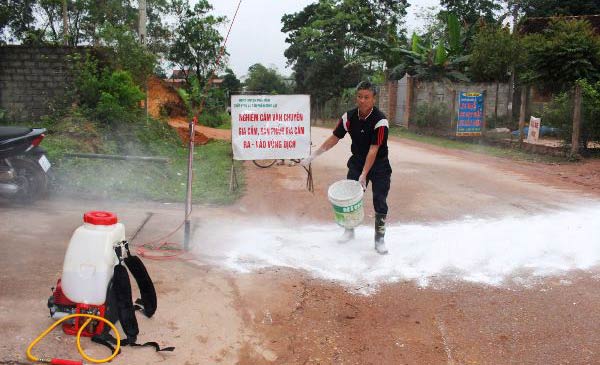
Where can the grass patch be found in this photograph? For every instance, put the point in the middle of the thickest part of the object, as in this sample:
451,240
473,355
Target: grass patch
508,153
137,180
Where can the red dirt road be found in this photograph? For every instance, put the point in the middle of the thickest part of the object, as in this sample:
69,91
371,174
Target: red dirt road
284,316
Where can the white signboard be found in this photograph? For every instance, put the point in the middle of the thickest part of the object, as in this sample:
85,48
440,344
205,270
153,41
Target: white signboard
270,126
533,132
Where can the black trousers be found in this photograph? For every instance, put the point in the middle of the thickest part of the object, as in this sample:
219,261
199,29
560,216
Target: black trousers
379,177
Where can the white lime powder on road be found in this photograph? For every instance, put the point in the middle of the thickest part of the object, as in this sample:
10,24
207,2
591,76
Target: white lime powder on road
475,250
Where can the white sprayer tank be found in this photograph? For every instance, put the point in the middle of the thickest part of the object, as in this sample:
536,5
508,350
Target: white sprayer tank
90,258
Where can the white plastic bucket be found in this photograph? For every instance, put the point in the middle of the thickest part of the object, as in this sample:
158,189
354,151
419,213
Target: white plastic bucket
90,258
346,198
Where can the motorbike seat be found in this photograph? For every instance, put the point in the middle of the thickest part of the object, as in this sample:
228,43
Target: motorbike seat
13,132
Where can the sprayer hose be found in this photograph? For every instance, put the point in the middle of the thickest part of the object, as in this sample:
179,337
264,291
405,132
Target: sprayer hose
78,337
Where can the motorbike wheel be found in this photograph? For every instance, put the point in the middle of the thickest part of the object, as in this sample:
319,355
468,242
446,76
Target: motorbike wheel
31,179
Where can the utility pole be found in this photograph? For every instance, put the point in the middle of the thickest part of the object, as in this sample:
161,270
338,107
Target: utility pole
142,33
65,23
143,20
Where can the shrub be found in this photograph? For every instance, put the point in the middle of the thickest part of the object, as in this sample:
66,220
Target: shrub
559,113
435,116
119,97
213,120
108,96
502,121
214,103
590,129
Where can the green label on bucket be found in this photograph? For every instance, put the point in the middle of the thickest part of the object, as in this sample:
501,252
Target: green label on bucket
348,209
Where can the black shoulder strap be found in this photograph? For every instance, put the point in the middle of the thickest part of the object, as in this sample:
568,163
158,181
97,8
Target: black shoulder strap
109,341
124,304
147,302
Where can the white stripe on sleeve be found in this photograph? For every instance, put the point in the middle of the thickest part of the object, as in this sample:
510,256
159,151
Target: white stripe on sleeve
345,121
382,123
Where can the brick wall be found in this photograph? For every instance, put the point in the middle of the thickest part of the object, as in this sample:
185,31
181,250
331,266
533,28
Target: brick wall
386,100
427,92
32,79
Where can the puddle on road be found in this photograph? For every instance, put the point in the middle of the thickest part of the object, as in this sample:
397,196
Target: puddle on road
486,251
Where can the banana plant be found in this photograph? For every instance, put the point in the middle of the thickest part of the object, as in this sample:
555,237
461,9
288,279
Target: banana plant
442,61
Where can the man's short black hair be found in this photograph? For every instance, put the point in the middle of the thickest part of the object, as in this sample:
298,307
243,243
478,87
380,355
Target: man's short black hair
367,85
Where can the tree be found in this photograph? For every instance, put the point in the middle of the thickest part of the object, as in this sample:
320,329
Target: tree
327,39
265,80
127,53
494,52
230,82
44,21
196,39
547,8
470,12
16,19
574,43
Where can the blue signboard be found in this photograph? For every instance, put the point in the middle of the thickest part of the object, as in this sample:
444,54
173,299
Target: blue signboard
470,114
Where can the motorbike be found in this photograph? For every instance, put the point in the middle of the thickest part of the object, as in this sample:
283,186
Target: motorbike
23,164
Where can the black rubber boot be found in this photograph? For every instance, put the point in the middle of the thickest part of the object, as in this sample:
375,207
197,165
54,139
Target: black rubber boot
380,234
347,236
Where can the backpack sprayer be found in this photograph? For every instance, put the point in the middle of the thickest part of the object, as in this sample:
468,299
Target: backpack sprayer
94,291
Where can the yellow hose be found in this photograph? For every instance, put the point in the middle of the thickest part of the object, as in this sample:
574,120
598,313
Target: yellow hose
90,318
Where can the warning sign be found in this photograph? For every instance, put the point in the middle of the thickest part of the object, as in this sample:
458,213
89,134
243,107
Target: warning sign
270,126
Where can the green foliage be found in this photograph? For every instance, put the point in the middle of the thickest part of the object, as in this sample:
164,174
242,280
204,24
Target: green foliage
230,82
213,103
109,96
559,114
16,20
265,80
331,43
434,116
335,107
214,119
590,130
494,52
471,11
547,8
138,180
574,43
126,53
197,40
508,153
442,61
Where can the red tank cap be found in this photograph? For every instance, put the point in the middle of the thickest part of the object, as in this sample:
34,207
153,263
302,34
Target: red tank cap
100,218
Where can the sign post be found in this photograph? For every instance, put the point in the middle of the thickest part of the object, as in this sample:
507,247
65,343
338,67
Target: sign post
470,114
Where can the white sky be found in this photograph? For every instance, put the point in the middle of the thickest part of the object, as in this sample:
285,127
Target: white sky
256,36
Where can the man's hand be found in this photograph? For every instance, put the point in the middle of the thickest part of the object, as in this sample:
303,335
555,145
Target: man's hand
362,179
306,161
